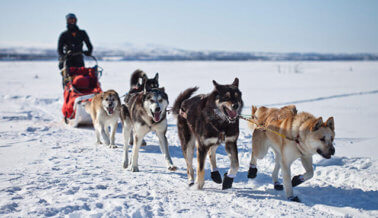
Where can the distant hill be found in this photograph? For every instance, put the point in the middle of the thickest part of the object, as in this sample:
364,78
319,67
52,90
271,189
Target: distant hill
156,53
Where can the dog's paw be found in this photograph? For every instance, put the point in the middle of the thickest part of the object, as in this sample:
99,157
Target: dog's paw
216,177
278,186
191,183
98,142
125,164
113,146
294,199
298,179
134,169
172,168
252,172
227,182
200,185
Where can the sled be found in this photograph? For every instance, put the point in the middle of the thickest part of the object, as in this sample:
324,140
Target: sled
80,84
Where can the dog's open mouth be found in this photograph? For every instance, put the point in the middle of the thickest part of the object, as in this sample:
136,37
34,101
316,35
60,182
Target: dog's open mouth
326,156
231,114
156,115
110,110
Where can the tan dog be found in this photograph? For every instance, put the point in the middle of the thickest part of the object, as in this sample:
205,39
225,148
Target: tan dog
305,136
105,110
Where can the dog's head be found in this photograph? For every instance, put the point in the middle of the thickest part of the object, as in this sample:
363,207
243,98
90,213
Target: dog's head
151,83
321,137
110,101
228,100
155,103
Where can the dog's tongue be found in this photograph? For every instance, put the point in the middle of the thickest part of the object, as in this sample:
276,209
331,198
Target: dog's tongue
232,114
157,116
110,110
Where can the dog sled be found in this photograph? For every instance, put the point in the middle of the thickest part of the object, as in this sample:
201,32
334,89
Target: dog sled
80,85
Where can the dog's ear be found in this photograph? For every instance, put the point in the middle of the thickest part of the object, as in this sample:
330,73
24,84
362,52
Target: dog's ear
330,123
236,82
318,123
216,85
162,89
156,76
117,96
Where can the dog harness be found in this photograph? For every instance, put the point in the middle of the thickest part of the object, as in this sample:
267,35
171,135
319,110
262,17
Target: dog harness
296,139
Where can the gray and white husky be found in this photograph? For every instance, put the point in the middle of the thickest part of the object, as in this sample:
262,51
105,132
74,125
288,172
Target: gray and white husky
145,112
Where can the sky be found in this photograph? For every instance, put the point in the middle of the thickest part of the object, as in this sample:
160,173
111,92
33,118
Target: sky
325,26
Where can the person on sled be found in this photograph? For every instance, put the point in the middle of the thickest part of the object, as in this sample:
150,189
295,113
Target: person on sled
70,44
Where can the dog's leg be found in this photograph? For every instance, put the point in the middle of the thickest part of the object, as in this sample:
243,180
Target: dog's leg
113,130
286,174
103,133
259,150
164,149
189,153
307,164
232,152
139,132
215,175
187,146
97,132
126,135
277,160
201,157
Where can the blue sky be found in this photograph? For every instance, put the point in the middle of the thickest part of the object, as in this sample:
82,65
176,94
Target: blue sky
266,25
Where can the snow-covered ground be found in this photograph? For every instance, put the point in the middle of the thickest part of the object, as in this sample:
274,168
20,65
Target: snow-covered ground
50,169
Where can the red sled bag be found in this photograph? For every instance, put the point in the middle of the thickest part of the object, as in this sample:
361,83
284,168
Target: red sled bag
82,86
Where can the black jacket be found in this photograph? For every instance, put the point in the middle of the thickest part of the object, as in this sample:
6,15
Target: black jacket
68,42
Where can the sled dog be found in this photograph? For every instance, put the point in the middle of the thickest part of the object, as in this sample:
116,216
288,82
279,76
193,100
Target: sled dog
207,121
105,111
139,80
145,112
305,135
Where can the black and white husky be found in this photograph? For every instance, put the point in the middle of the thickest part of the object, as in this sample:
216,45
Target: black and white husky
207,121
138,82
145,112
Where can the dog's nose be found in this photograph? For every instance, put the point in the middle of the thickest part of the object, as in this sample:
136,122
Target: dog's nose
332,150
157,108
235,106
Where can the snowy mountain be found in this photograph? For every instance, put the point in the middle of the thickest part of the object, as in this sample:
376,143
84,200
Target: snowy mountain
148,52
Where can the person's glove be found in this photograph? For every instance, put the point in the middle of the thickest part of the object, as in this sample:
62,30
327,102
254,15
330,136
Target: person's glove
87,53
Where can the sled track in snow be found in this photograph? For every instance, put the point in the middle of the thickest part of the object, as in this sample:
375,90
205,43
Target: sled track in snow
324,98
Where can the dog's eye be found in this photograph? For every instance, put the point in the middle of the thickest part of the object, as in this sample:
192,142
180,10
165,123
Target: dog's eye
322,139
107,99
160,100
331,138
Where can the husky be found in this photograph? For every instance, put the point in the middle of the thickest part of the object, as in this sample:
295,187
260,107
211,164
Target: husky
145,112
207,121
302,136
138,82
105,111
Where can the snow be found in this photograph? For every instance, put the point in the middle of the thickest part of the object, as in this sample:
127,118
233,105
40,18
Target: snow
50,169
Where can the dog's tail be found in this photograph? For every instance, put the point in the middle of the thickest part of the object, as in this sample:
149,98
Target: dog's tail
134,80
181,98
